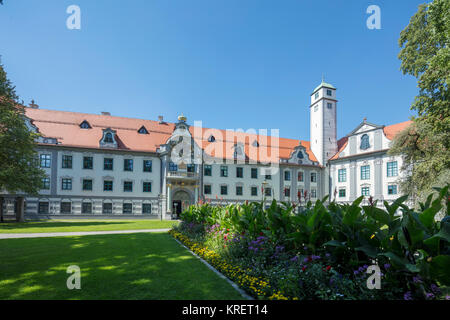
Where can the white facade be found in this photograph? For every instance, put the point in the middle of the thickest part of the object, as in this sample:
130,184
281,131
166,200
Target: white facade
111,179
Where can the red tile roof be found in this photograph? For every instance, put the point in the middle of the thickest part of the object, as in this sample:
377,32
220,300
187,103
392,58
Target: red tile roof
65,126
392,130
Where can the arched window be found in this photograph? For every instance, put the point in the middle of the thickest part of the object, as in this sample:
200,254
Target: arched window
300,155
108,137
211,138
365,142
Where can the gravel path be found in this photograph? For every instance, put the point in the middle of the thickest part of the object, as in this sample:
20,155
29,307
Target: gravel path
65,234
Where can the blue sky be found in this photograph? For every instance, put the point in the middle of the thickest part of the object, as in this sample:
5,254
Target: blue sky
230,63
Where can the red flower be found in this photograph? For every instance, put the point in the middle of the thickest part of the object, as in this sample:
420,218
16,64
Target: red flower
303,268
328,268
309,259
261,233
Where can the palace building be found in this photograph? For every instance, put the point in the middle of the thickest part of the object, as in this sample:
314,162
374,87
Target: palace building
108,166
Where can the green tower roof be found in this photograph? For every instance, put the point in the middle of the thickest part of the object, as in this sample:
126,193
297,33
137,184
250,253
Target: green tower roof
324,84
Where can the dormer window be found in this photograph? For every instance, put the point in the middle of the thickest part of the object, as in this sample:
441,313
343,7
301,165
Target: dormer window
143,130
109,139
85,125
255,143
365,142
211,138
300,155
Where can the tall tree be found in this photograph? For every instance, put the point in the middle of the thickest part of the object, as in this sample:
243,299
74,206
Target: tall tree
19,170
425,54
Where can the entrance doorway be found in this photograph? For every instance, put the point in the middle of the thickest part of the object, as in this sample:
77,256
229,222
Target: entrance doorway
176,205
181,201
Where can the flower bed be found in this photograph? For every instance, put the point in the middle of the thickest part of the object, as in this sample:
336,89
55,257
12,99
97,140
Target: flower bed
324,252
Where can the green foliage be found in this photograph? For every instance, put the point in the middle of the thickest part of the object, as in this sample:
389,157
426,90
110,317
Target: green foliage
425,54
266,240
19,171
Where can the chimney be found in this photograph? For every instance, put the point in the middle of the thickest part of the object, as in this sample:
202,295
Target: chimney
104,113
33,105
160,118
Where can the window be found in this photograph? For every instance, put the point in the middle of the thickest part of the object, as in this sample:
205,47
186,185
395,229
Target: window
342,175
313,193
128,186
86,207
147,165
287,192
239,190
365,142
65,207
66,184
143,130
108,164
254,191
173,166
316,95
127,208
191,167
67,162
146,208
88,162
128,165
45,160
85,125
45,184
107,207
147,187
223,171
208,170
108,138
268,177
329,92
268,192
287,175
255,143
313,177
87,184
300,176
254,173
224,190
365,172
107,185
341,193
211,139
239,172
300,155
329,105
392,169
207,189
316,107
392,189
43,207
365,191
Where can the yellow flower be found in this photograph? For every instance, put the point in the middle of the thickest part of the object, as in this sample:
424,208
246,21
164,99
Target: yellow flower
391,238
373,236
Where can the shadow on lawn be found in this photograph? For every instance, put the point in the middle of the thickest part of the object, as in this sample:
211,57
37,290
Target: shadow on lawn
133,266
56,224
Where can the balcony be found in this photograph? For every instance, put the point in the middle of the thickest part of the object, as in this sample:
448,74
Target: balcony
182,175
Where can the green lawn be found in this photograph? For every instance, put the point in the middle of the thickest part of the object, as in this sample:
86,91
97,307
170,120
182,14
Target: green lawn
83,225
128,266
